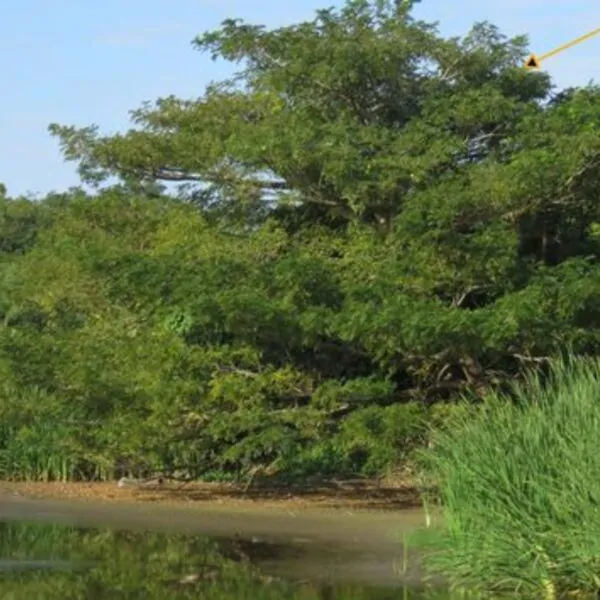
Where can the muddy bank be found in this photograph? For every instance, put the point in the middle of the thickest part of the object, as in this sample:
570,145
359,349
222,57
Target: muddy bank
273,520
354,495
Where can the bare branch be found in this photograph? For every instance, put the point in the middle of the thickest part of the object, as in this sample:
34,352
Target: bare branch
535,359
172,174
236,371
459,301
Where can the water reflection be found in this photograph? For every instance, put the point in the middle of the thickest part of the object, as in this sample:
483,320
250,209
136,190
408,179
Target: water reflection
50,561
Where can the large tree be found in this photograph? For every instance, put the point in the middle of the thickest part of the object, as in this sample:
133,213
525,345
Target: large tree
350,112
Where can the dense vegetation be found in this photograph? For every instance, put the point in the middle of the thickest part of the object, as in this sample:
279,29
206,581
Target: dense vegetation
368,221
519,488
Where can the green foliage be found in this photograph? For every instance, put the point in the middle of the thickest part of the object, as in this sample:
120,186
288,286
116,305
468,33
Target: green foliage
518,481
140,338
377,438
351,113
370,219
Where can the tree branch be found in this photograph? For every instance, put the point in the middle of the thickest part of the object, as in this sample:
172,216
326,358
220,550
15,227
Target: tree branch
535,359
172,174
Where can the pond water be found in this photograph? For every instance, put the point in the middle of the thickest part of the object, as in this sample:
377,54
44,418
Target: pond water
64,562
71,551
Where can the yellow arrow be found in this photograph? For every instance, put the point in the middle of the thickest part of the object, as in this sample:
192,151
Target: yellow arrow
533,61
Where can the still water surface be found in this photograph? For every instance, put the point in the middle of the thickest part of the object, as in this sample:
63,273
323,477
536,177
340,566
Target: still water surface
65,562
60,551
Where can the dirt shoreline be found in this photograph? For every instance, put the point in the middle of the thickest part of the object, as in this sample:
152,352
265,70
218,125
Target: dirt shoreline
349,495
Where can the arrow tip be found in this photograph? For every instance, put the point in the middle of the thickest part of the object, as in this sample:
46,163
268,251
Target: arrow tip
532,62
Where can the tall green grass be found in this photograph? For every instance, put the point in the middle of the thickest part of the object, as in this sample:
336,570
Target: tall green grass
519,484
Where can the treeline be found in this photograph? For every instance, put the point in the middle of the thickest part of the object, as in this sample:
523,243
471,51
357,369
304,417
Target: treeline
137,335
370,221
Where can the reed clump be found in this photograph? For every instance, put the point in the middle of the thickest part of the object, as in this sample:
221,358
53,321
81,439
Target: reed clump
518,480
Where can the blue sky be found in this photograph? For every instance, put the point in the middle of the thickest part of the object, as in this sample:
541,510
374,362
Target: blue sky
82,62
